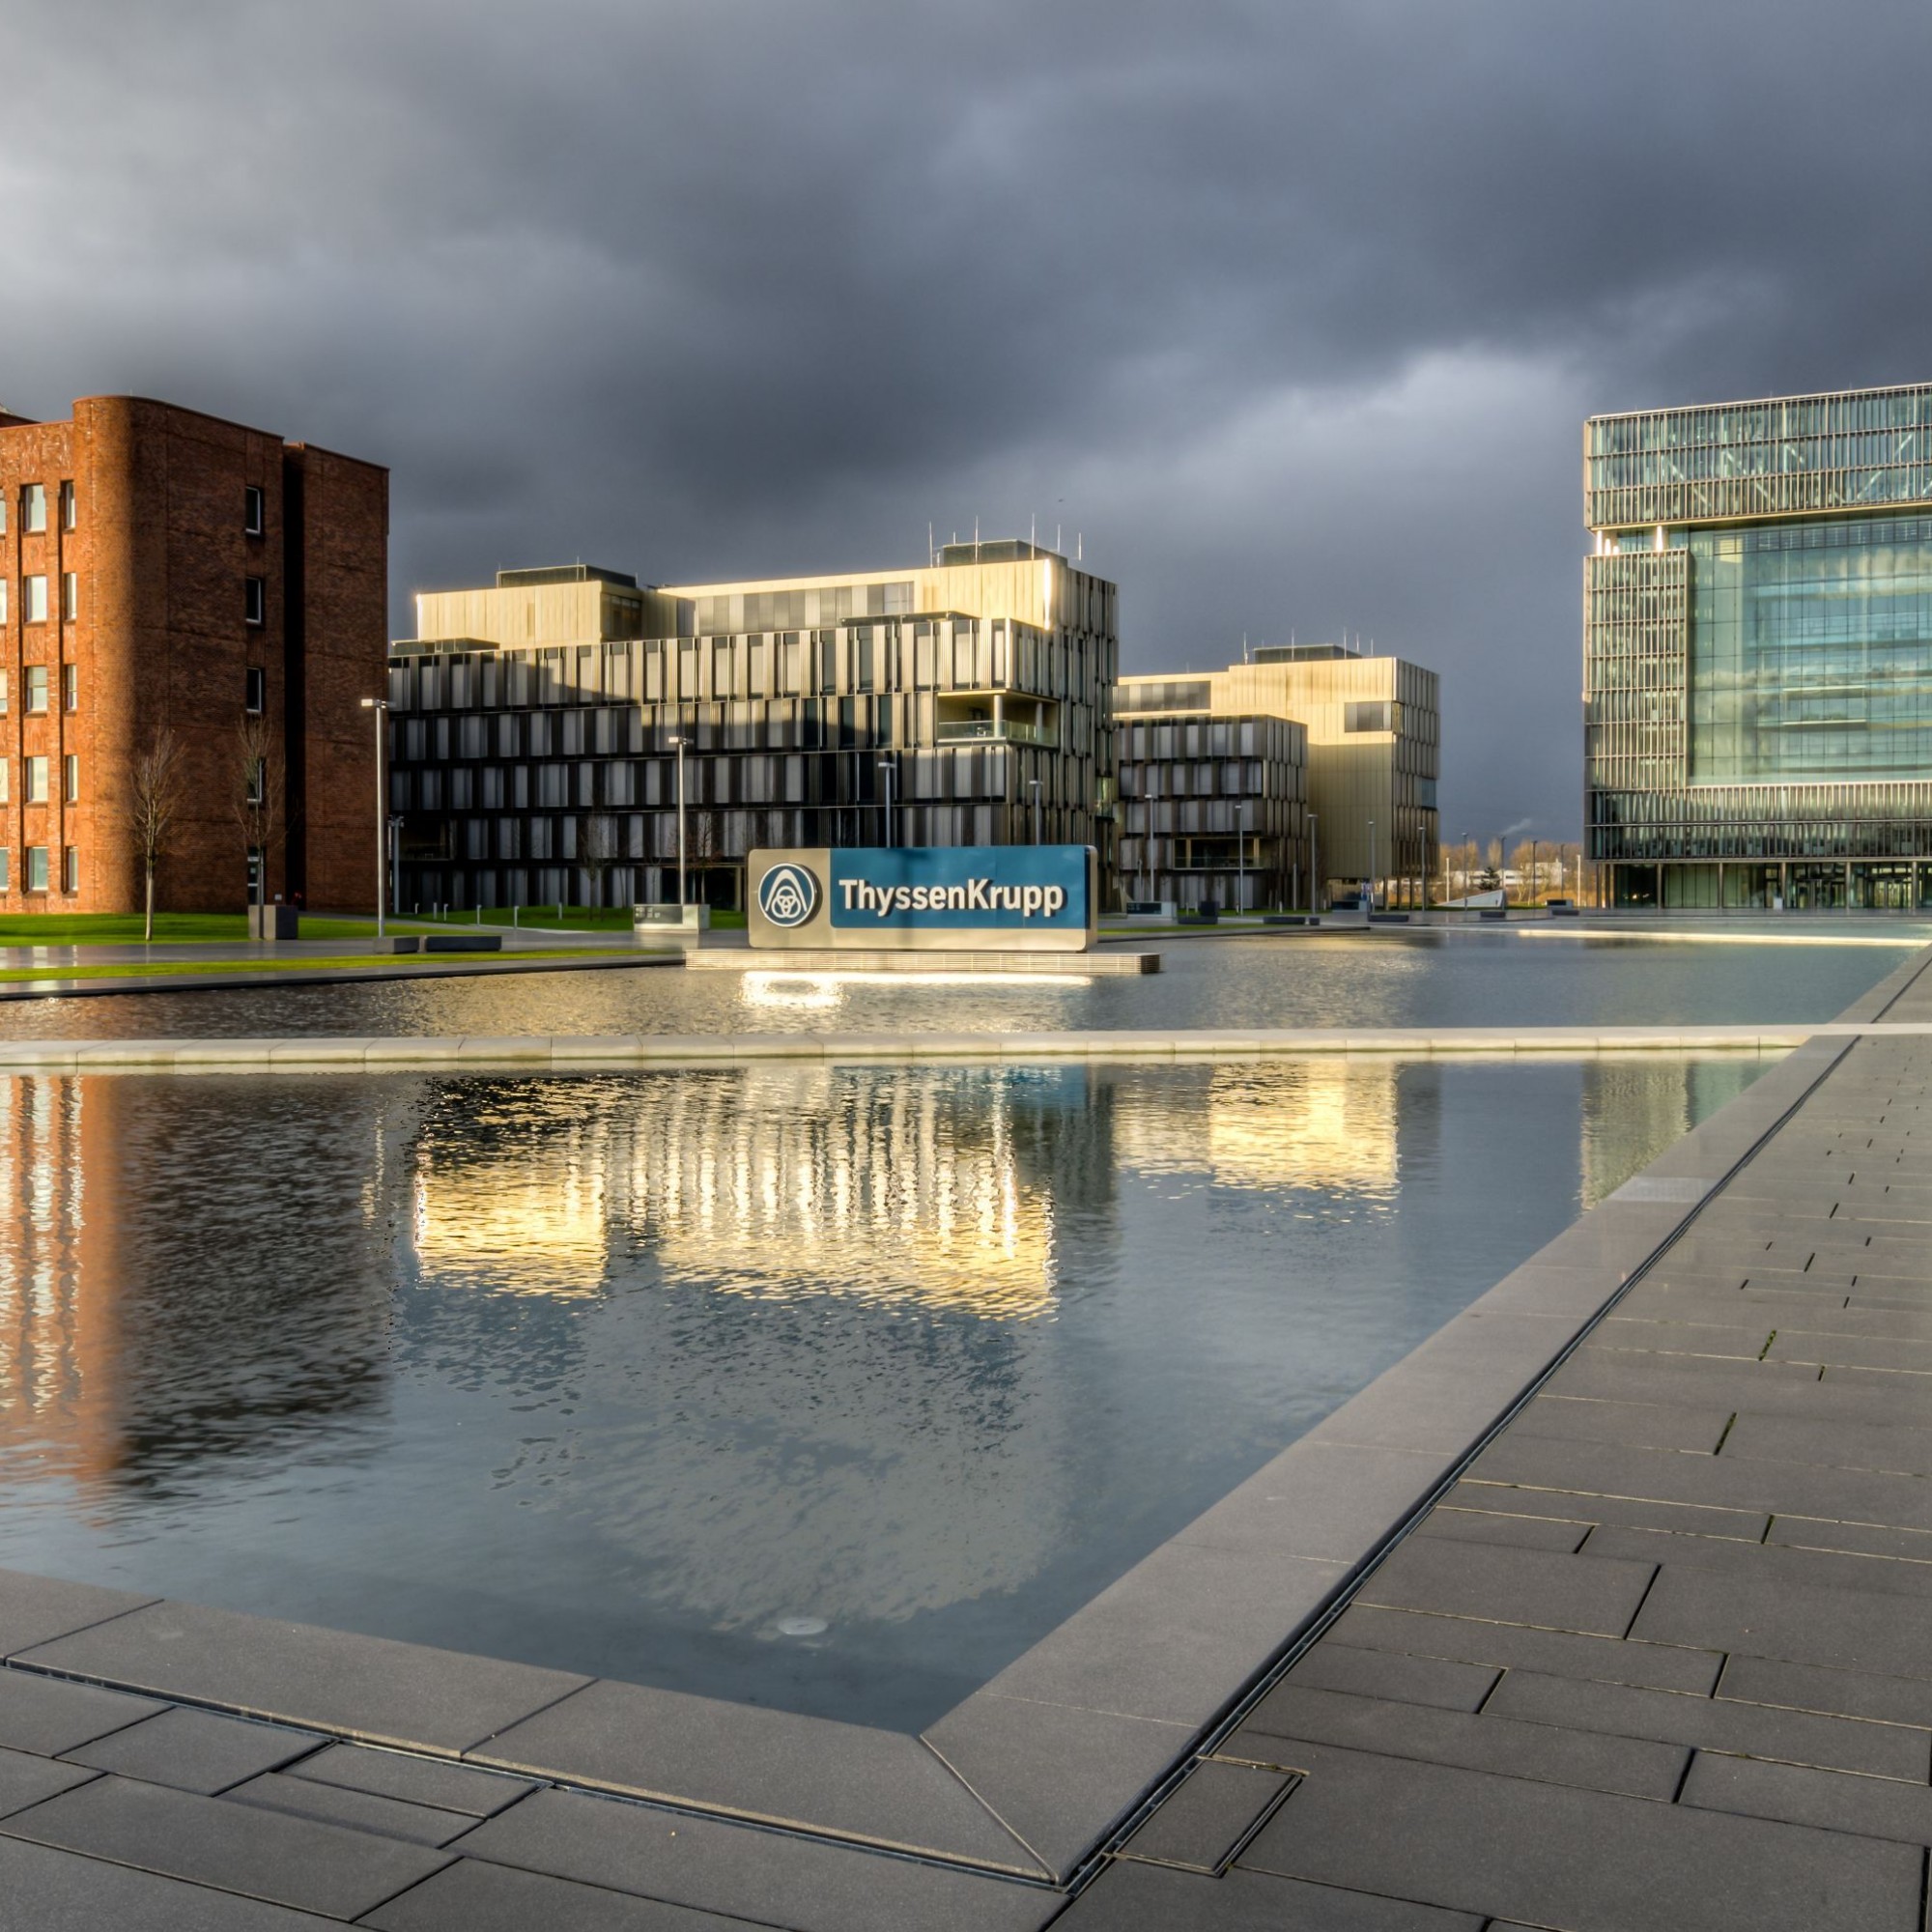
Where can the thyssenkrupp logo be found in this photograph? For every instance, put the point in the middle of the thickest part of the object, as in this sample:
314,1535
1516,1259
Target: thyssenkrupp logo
789,895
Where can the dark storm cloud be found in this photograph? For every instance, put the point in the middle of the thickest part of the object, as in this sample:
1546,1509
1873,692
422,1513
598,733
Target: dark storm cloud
1292,312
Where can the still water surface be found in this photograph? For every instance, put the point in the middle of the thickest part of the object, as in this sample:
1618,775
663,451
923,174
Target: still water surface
828,1388
1391,977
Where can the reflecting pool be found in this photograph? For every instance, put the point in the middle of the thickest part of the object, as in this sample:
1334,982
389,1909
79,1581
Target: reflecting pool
832,1388
1390,978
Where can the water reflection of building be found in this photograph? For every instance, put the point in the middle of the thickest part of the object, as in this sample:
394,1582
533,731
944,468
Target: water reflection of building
58,1352
1635,1109
1320,1125
942,1188
170,1289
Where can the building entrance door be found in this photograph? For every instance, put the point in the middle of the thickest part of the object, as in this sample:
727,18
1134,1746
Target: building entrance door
1815,889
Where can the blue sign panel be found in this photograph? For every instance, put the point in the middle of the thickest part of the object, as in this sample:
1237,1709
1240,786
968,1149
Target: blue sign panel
947,888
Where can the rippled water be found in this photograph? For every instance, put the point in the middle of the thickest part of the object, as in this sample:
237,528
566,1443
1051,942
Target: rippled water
1390,978
653,1377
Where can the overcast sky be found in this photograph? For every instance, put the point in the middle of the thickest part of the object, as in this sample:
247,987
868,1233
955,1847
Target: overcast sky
1292,312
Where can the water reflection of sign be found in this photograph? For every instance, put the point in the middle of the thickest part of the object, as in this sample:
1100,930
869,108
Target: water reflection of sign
789,895
1029,898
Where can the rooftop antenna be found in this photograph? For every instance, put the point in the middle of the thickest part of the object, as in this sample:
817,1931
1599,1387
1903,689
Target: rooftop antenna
975,539
1033,532
1079,548
1056,538
930,553
1244,647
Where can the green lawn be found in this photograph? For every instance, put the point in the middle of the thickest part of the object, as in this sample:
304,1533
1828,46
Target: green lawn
171,928
142,969
568,918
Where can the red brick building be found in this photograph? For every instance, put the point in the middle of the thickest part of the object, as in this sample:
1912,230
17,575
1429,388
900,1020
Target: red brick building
161,569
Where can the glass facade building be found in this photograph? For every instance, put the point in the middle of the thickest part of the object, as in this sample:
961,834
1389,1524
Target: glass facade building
534,724
1758,652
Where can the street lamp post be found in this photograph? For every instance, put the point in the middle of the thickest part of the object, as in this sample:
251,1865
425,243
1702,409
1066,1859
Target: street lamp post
1034,784
1372,865
678,744
1240,854
1532,872
381,707
1314,863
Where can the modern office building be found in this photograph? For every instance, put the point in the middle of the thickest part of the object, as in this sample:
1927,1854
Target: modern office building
535,723
1757,652
164,571
1213,810
1358,790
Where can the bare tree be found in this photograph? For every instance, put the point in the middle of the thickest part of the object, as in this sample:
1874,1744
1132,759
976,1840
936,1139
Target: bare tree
259,787
597,842
156,790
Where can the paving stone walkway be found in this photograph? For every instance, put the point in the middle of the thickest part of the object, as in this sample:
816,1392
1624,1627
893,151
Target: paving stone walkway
1663,1658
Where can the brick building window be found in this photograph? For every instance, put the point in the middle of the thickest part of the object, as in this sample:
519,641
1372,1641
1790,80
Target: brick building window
69,687
258,781
67,506
37,781
70,868
3,600
34,599
70,597
37,868
254,600
254,691
253,511
34,508
37,687
4,693
5,870
70,778
6,782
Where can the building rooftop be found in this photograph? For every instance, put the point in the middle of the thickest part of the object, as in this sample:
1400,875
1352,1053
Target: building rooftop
564,573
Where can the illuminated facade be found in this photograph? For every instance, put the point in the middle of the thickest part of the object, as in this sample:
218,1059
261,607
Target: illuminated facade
1757,652
1363,763
534,724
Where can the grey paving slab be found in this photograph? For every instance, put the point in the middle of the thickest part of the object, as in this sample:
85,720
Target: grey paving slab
1060,1778
36,1609
1525,1586
232,1847
881,1786
1834,1801
1757,1730
1200,1826
1690,1426
416,1781
1586,1860
1838,1444
194,1750
1792,1562
363,1686
1438,1682
1146,1899
1869,1539
1628,1375
1843,1630
473,1896
1848,1693
1518,1647
46,1890
1659,1475
25,1779
1289,1718
359,1810
1635,1511
805,1885
49,1716
1519,1532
